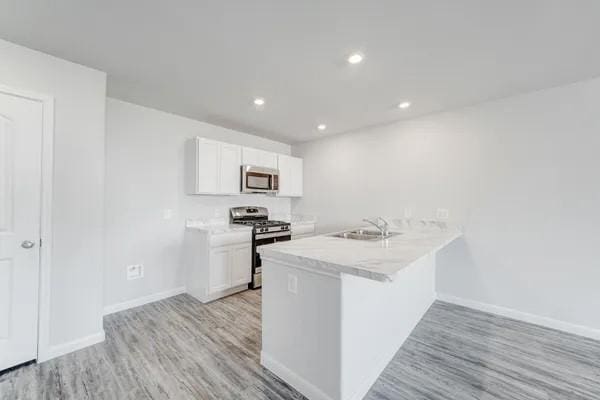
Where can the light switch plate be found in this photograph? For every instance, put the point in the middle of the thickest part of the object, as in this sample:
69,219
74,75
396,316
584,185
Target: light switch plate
135,271
292,284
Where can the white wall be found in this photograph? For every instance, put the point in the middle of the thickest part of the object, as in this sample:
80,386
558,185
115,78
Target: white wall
520,173
77,253
144,177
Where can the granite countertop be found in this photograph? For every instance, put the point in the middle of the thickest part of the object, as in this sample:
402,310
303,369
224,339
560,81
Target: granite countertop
378,260
216,228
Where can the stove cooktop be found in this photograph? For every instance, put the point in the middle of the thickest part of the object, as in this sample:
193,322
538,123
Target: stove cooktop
262,223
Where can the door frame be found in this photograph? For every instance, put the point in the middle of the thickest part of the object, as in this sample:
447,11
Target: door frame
47,164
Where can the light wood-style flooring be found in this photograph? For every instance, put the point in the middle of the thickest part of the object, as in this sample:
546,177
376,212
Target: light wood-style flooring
181,349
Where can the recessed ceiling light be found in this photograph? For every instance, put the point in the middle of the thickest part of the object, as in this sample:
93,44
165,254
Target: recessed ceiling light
404,105
355,58
259,101
322,127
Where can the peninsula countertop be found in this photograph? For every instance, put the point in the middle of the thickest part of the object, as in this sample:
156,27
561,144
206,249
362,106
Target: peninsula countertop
378,259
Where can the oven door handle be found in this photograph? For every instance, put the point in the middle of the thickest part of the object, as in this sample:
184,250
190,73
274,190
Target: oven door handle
274,235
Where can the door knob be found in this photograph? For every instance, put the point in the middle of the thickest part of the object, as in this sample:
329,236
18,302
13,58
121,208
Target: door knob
27,244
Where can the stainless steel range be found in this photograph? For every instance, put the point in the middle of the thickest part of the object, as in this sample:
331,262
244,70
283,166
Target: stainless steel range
264,231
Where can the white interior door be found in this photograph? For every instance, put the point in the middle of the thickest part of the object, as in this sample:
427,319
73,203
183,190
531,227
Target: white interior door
20,192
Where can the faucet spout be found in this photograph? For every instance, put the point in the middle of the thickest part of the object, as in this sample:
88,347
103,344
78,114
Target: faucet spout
383,230
386,225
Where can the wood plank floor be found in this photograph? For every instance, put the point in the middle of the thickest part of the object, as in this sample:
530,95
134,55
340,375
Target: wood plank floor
181,349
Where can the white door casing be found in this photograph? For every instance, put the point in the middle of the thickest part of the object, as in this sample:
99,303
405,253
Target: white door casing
21,128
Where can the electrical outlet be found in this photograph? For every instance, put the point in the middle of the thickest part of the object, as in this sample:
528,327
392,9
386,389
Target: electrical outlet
135,271
292,284
167,213
408,212
442,214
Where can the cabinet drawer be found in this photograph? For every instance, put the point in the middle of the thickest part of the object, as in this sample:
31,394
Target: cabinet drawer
229,238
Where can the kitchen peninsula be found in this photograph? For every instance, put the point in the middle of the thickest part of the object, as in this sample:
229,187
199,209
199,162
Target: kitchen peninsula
336,310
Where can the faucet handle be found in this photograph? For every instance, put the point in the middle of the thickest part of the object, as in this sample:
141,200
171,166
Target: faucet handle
385,223
383,229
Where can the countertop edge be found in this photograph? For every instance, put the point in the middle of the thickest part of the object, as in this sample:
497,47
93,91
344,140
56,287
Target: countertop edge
309,263
326,266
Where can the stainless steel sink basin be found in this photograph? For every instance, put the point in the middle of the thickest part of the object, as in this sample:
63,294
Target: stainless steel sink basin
364,234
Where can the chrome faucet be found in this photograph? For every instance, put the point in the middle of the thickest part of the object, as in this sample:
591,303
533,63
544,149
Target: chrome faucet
386,225
384,228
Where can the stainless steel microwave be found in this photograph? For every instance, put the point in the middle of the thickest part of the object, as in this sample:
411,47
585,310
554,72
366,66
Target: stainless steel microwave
259,179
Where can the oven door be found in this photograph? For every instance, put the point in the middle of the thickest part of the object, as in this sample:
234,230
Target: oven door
259,180
256,261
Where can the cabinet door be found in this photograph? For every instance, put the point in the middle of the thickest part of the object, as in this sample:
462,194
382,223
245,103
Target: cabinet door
241,264
285,175
230,162
250,156
207,166
219,270
259,158
290,176
268,159
297,176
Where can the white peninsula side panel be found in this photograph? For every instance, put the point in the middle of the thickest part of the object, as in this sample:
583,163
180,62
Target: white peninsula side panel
336,310
330,334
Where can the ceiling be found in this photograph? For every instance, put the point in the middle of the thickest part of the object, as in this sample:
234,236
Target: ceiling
208,59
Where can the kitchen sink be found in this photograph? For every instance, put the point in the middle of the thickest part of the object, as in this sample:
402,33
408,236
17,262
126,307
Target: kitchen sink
364,234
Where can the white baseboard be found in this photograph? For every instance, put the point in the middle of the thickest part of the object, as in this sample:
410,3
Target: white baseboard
65,348
205,298
523,316
140,301
300,384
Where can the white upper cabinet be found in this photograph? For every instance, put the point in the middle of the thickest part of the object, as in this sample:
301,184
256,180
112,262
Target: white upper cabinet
202,164
212,167
290,176
259,158
230,163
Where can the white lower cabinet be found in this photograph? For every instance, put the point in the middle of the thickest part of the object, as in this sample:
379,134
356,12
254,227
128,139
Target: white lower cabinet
219,274
217,265
241,272
230,266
